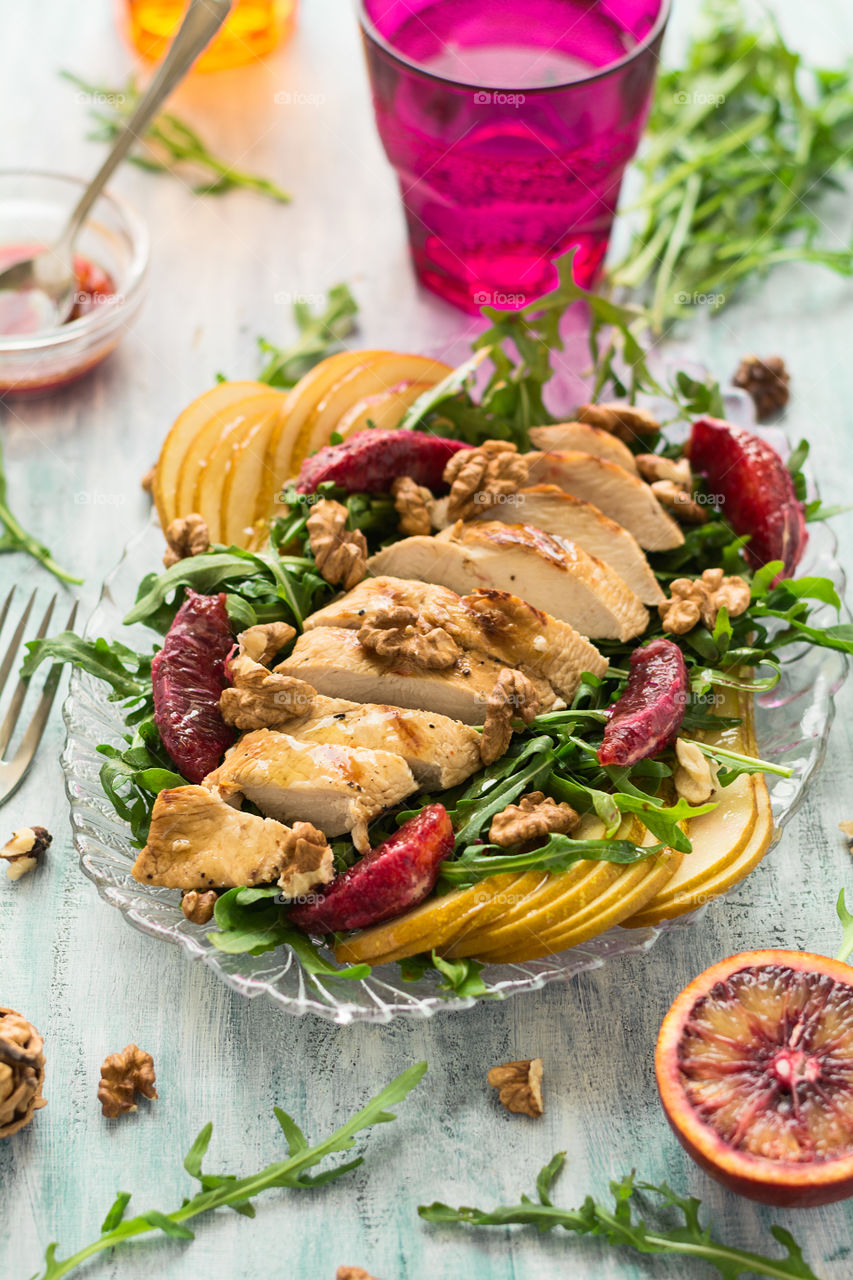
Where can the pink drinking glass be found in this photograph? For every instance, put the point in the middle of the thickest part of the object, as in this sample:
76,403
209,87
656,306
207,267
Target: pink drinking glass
509,124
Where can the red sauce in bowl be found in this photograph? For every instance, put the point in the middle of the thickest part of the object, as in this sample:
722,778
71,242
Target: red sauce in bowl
19,312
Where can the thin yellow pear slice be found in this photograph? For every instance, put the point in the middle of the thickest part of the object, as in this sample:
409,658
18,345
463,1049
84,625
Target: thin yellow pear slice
667,905
559,895
384,410
183,431
244,478
381,374
418,930
213,472
299,402
219,425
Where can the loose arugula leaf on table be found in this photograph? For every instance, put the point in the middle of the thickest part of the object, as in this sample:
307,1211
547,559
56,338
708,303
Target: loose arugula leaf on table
238,1193
320,334
170,145
846,919
625,1224
16,538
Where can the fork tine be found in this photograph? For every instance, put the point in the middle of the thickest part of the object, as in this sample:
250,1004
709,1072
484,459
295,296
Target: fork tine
14,643
11,718
4,611
13,775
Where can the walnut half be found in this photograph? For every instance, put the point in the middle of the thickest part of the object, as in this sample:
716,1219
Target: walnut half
513,697
400,632
21,1072
259,698
341,553
123,1075
695,600
480,478
519,1086
352,1273
535,815
186,536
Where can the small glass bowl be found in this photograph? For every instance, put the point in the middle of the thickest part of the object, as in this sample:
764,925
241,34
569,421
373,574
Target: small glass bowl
33,210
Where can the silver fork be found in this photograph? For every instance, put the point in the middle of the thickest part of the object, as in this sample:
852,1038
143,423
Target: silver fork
13,772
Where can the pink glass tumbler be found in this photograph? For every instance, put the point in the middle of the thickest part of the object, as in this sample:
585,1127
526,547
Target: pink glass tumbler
509,124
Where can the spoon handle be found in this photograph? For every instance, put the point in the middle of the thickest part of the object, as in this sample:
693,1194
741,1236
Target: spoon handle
201,22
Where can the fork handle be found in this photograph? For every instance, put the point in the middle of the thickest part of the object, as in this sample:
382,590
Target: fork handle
201,22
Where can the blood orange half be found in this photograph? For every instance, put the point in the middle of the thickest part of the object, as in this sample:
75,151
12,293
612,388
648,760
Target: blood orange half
754,1066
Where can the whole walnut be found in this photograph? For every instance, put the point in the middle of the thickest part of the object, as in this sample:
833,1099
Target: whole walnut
21,1072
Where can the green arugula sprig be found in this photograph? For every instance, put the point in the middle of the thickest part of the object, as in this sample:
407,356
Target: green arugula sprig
254,921
238,1193
846,918
134,775
625,1224
171,146
16,538
320,334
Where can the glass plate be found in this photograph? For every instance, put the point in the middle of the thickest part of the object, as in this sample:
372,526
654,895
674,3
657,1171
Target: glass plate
792,721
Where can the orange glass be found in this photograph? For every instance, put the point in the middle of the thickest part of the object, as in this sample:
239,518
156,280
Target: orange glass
253,28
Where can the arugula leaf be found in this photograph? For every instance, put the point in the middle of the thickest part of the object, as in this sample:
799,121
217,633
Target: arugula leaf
254,921
462,977
228,1190
133,776
320,334
127,672
16,537
623,1224
847,925
557,854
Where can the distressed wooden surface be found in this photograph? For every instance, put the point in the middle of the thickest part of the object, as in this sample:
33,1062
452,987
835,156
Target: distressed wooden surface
222,271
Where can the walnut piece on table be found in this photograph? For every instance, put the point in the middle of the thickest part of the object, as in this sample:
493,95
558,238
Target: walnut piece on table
480,478
186,536
123,1075
519,1086
21,1072
352,1273
625,421
513,697
766,382
534,815
695,600
846,829
413,504
23,850
341,553
400,632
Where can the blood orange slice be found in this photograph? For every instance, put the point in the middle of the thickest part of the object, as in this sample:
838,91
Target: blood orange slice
754,1066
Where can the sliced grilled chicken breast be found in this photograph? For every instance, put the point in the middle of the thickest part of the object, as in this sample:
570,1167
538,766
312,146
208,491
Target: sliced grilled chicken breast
620,495
548,507
439,751
580,437
334,661
494,622
558,576
335,787
198,841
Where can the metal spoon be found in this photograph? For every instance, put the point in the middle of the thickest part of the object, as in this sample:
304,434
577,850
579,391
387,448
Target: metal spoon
49,276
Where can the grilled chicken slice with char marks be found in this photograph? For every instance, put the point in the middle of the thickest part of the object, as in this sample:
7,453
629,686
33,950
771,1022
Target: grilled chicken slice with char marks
440,752
198,841
580,437
570,519
623,497
337,788
334,661
558,576
497,623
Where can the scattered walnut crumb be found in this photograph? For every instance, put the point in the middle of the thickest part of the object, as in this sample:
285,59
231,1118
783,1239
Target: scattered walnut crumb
341,553
520,1086
694,600
24,849
413,503
258,698
534,815
352,1273
626,421
480,478
186,536
21,1072
513,697
123,1075
695,778
147,481
198,907
767,383
400,632
846,829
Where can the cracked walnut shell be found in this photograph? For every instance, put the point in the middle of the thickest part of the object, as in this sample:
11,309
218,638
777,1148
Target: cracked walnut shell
534,815
520,1086
186,536
341,553
21,1072
22,852
400,632
513,697
482,477
123,1075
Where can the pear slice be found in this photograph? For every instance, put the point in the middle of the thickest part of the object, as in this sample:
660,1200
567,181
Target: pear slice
209,460
244,479
219,399
384,411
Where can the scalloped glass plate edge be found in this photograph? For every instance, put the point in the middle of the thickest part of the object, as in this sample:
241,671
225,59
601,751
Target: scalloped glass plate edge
792,721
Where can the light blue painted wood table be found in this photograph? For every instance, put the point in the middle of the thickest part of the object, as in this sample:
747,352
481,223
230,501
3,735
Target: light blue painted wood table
220,271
